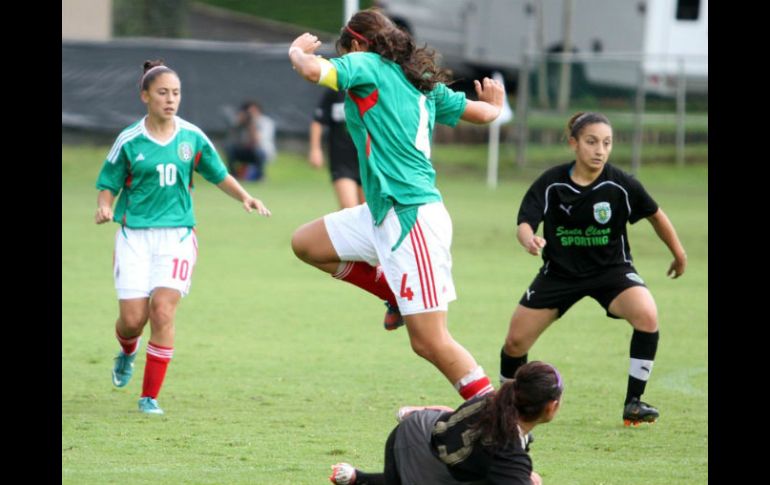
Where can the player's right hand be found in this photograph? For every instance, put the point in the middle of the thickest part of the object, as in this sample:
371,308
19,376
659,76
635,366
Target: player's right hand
316,157
103,214
535,245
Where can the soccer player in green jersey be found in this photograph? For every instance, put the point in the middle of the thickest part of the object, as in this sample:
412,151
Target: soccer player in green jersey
397,244
150,171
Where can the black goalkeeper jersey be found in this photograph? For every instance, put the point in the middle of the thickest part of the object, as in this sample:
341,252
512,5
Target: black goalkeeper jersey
469,458
585,227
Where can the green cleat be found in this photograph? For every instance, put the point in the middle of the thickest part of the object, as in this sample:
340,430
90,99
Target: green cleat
148,405
123,369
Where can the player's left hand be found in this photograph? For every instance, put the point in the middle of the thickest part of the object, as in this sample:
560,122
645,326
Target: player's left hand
536,478
490,91
250,204
677,267
306,42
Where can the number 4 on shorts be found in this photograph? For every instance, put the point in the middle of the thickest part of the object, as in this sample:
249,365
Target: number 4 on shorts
406,292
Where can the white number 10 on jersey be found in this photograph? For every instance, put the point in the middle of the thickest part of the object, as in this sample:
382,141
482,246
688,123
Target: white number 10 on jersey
167,174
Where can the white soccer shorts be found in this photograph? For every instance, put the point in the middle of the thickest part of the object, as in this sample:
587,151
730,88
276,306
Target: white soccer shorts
146,259
419,271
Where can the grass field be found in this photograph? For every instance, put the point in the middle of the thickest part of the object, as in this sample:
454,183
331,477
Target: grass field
280,371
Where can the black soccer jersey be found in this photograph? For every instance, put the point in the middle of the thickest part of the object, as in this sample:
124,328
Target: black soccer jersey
585,227
456,443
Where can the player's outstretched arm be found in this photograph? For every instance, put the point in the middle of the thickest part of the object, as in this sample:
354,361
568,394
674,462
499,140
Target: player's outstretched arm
104,207
315,154
666,232
491,96
231,187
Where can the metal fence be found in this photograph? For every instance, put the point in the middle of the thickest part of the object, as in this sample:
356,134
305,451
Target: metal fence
641,95
100,83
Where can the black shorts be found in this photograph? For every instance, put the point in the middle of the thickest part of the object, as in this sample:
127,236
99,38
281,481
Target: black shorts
549,291
344,168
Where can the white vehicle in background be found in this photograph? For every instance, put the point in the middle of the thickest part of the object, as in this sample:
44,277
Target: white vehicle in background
610,37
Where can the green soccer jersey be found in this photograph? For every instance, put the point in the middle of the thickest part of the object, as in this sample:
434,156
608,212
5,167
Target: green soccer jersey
391,123
155,179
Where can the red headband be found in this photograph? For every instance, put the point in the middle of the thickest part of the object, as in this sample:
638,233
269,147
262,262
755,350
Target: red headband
357,35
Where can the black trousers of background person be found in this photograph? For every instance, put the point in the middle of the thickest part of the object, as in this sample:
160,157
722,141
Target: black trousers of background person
250,156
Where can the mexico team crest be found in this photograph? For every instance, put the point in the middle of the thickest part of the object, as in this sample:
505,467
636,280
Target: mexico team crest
602,212
185,151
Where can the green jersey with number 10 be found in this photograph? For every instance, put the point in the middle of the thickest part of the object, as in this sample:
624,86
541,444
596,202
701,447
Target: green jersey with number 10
155,179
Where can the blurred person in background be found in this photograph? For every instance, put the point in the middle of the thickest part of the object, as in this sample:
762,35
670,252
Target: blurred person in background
343,160
252,144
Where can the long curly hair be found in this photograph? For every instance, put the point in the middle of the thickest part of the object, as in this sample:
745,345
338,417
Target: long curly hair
525,397
373,28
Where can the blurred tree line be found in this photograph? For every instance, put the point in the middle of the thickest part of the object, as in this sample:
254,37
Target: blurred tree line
150,18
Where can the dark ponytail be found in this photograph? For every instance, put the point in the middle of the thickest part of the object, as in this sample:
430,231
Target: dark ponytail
148,77
525,397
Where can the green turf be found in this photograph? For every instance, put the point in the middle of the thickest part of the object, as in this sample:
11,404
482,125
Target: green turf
280,371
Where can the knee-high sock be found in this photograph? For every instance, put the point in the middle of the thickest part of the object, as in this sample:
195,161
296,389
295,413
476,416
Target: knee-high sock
643,348
474,383
367,277
158,358
129,345
509,365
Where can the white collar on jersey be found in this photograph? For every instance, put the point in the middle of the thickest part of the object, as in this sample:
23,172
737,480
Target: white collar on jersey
155,140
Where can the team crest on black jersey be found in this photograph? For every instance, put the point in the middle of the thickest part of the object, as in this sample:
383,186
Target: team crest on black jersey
602,212
185,151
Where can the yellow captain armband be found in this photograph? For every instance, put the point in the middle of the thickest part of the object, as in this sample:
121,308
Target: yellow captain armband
328,76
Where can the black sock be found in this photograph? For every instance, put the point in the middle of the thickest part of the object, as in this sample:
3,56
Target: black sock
643,348
509,365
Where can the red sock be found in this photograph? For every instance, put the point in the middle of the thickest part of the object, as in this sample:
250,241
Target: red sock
367,277
475,383
128,345
158,358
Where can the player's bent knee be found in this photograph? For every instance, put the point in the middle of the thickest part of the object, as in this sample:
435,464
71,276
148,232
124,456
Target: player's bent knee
133,323
133,320
428,349
162,313
645,322
515,347
423,349
646,325
300,245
